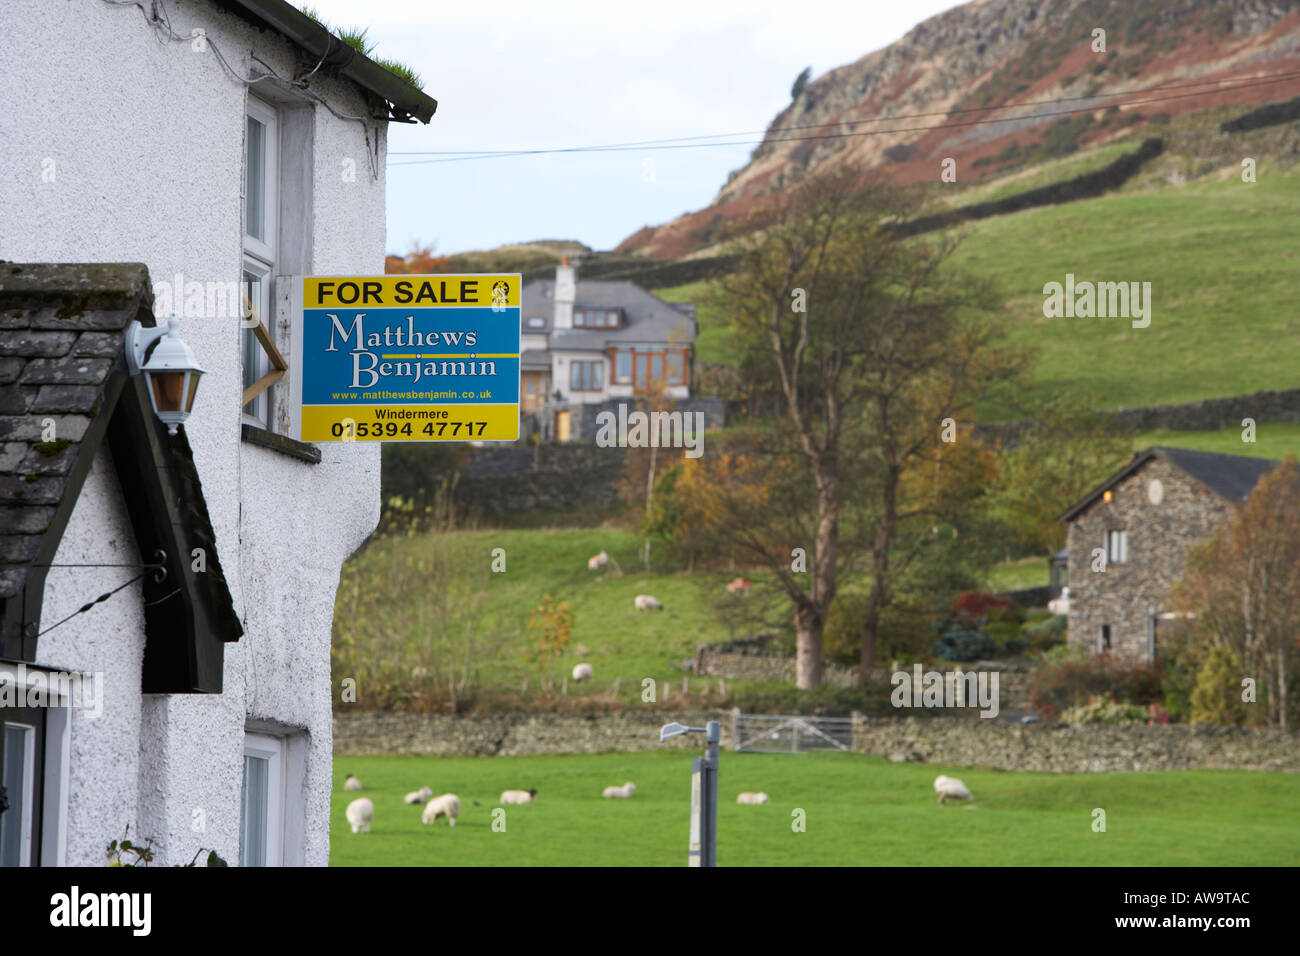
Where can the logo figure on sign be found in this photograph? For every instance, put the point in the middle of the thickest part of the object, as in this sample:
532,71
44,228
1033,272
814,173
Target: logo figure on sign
500,294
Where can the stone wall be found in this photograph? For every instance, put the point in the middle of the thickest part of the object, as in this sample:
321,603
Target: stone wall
1281,406
514,735
520,478
754,658
951,742
1159,537
1089,748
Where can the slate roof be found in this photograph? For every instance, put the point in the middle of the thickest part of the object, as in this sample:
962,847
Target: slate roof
1230,476
535,360
62,328
647,318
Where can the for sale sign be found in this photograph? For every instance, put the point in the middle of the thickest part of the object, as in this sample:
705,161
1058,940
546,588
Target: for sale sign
407,358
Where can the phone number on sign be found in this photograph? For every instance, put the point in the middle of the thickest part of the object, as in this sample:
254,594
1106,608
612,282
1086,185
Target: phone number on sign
350,429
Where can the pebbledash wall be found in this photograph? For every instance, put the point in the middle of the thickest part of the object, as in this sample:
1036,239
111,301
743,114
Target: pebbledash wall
149,170
1092,748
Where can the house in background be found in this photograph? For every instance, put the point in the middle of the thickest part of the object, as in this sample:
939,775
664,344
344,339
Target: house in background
1145,518
588,341
251,148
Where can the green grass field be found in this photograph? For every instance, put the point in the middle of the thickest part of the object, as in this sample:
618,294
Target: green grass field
859,811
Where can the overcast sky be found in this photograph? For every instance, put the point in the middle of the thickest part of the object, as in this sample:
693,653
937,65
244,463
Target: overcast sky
530,74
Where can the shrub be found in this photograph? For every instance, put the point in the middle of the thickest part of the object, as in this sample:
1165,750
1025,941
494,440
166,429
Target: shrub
1058,685
970,606
1217,697
1100,709
958,643
1045,633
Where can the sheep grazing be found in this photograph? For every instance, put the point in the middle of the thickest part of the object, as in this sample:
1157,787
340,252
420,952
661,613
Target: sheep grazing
740,586
752,798
645,602
598,562
518,796
582,672
352,783
418,796
947,787
360,812
448,805
619,793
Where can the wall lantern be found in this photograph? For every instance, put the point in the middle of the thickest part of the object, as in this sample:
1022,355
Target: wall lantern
1108,496
171,373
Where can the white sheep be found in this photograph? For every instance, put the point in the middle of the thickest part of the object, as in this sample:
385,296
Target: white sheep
619,793
418,796
598,562
360,812
352,783
518,796
752,798
582,672
447,805
947,787
645,602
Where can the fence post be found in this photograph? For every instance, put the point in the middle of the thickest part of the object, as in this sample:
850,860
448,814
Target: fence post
855,729
735,728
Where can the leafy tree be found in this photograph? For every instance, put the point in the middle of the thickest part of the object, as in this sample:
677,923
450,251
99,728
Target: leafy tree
1067,450
1242,588
870,342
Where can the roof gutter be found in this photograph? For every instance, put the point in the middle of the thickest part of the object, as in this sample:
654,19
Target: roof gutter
408,104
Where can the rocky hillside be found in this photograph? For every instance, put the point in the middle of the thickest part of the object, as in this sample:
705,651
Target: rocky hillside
987,60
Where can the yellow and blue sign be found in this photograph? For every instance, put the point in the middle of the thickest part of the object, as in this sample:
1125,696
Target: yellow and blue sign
408,358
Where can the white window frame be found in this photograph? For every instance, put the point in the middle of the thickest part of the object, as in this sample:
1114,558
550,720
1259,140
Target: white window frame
271,749
58,763
260,254
1116,546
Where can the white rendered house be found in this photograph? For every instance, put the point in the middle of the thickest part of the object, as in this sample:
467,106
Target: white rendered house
199,150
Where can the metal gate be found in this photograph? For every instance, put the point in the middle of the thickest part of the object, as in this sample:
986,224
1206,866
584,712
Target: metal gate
767,733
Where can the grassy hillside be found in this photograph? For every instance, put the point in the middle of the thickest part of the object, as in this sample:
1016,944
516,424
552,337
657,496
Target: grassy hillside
860,811
1224,266
427,600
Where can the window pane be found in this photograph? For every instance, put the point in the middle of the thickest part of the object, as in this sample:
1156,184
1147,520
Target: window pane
675,367
15,823
252,833
597,375
255,180
656,368
623,369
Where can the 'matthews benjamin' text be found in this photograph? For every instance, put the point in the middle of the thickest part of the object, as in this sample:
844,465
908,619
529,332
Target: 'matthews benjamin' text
366,363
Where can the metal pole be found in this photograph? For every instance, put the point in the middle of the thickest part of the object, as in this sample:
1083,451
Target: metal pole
709,844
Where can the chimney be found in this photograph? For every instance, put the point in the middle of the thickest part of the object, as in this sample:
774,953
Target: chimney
566,290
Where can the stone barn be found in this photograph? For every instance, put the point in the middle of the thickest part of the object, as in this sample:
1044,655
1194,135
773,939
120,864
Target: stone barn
1143,520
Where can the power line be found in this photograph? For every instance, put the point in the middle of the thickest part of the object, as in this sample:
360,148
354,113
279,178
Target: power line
878,119
684,142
